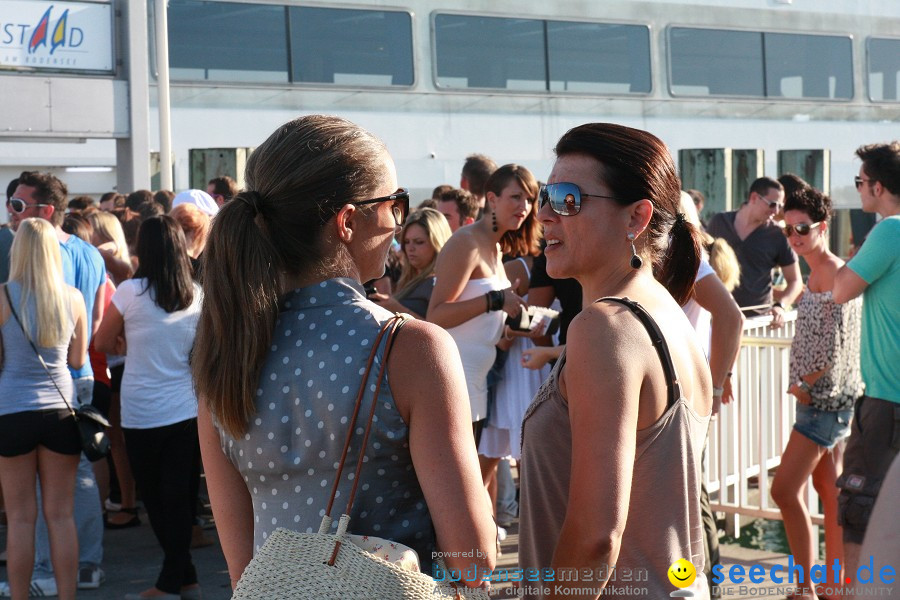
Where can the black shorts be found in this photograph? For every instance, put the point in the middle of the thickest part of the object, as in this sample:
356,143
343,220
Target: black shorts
115,378
55,429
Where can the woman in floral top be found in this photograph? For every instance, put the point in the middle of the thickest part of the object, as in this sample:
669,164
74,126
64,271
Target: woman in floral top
825,379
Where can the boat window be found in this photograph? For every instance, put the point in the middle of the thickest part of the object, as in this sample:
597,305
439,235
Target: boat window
223,41
808,66
884,69
490,52
351,47
598,57
713,62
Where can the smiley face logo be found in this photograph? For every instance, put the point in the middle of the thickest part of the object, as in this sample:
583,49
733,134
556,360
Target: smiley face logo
682,573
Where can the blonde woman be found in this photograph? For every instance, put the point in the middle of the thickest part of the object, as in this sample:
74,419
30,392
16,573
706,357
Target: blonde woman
38,435
424,234
109,239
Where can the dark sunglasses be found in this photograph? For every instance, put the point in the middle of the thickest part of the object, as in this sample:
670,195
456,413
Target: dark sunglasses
565,198
802,229
400,209
19,206
859,181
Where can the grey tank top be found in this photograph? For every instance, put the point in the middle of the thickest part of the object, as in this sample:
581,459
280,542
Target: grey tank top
666,470
24,385
306,394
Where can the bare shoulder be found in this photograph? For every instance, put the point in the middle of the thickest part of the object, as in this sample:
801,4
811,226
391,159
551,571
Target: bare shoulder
419,340
605,327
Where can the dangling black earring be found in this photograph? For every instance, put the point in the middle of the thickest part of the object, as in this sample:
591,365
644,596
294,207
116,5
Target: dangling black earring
636,261
494,222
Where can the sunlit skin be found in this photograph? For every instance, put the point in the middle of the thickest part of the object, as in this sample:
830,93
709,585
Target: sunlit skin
417,247
26,193
451,213
512,206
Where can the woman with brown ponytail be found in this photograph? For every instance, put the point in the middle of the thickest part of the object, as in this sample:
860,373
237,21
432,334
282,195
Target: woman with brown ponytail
613,440
284,335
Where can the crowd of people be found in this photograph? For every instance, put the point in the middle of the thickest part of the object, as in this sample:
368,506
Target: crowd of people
584,330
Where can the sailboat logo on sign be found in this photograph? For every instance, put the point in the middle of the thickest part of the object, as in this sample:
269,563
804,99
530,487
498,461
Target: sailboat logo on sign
41,35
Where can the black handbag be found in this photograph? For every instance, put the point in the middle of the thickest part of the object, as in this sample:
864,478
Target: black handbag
90,421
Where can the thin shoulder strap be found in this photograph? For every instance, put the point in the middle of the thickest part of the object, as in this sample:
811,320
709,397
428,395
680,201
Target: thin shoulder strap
12,311
525,264
659,342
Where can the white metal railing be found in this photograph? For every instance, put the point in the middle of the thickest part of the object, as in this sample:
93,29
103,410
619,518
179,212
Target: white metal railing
748,436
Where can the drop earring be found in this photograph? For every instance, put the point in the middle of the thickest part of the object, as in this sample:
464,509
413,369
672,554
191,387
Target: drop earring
494,221
636,261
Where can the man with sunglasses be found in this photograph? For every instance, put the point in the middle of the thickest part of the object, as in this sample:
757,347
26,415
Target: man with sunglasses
873,272
760,246
44,196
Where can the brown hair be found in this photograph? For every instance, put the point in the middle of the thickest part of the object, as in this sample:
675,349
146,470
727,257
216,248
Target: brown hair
466,203
296,181
224,186
526,240
48,190
635,165
881,162
477,170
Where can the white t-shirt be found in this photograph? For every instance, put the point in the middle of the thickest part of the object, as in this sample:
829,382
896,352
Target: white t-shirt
699,316
157,388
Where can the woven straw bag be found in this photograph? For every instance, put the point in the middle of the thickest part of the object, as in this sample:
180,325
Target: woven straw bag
329,566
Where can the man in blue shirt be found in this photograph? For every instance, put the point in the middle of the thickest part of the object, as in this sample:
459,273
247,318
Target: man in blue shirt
873,272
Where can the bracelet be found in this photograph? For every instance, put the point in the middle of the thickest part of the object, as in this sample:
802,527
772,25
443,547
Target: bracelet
717,392
506,331
728,375
496,299
487,298
804,386
777,304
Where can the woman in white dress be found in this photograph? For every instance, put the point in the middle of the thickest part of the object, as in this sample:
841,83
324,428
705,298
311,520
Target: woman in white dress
472,295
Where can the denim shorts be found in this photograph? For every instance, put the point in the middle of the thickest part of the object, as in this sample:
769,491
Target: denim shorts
824,427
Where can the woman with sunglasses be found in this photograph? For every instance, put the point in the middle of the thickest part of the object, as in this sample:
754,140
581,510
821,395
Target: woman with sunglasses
317,218
38,435
619,426
472,294
826,380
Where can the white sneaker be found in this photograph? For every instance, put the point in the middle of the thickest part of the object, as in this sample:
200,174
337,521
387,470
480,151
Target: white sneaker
501,533
39,588
90,578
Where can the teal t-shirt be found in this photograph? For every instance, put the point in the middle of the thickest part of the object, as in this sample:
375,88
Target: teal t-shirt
878,263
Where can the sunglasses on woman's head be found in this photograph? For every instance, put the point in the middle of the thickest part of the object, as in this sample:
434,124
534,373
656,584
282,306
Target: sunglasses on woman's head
802,229
565,198
18,206
400,208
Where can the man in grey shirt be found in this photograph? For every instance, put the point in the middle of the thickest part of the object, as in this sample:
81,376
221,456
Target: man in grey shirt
760,246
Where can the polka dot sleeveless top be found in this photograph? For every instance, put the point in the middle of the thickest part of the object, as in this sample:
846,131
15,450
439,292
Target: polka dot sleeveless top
307,390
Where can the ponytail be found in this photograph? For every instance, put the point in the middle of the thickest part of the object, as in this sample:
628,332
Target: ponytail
241,285
678,269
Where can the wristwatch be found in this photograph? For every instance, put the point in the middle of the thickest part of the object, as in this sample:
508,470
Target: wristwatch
804,386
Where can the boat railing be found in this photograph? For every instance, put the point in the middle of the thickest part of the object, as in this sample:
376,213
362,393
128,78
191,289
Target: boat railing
747,437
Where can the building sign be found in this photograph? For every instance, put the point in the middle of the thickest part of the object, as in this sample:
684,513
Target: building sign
56,35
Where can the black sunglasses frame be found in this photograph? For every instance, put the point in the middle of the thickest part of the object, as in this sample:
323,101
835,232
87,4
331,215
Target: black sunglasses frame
560,205
401,194
802,229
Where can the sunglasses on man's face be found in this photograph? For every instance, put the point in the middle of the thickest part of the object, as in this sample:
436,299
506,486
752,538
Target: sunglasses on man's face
18,206
565,198
802,229
400,208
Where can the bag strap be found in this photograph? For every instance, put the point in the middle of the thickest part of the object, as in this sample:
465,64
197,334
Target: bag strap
659,342
388,330
12,310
